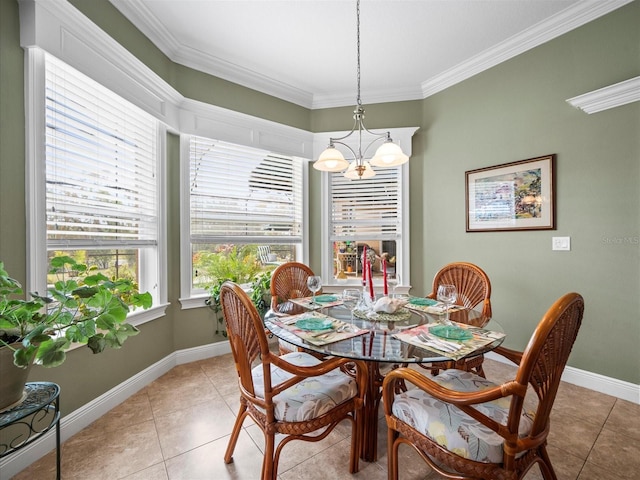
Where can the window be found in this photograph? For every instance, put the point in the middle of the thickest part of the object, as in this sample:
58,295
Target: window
100,191
365,213
245,211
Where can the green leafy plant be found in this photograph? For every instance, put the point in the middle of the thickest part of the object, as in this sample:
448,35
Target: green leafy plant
259,288
83,306
230,262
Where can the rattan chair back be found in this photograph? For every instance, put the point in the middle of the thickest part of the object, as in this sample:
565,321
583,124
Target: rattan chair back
288,281
472,283
546,356
245,329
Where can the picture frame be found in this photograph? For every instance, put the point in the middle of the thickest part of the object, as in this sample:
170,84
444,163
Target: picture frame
512,196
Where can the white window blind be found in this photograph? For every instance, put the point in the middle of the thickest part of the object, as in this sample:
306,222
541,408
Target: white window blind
243,194
100,165
366,208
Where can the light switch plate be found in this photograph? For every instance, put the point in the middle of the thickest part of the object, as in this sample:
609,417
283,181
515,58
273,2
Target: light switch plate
561,243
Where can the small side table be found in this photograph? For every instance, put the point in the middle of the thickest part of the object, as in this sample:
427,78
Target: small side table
32,418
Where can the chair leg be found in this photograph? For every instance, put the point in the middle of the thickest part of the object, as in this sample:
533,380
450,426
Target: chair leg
392,454
228,456
268,472
356,443
545,465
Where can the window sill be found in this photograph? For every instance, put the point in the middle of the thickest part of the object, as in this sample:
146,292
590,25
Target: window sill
144,316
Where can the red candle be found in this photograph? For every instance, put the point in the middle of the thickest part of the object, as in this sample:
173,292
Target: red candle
370,282
364,265
384,277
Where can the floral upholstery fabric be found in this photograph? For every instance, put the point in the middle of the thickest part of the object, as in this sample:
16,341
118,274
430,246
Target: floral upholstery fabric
449,426
312,396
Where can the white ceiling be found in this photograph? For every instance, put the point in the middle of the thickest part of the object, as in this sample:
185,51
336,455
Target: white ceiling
304,51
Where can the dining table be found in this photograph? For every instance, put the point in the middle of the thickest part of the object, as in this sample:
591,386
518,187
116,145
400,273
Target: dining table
384,341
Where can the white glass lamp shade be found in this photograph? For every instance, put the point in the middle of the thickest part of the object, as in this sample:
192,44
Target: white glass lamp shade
352,173
389,155
331,160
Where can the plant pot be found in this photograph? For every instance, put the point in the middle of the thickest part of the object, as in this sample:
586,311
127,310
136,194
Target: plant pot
13,379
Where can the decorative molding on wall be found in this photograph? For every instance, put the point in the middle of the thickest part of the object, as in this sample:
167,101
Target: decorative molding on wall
61,30
569,19
572,17
593,381
605,98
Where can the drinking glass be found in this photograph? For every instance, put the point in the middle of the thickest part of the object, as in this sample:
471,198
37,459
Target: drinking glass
314,283
447,294
394,281
350,299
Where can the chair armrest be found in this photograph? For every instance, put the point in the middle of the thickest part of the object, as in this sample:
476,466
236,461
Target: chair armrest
442,393
512,355
325,366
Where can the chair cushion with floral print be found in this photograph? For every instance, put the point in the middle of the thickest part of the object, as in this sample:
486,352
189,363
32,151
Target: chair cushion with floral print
449,426
311,397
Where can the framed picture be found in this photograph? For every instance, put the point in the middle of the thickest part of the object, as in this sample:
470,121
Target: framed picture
512,196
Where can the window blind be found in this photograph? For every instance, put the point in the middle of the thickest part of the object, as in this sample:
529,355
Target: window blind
100,165
243,194
366,208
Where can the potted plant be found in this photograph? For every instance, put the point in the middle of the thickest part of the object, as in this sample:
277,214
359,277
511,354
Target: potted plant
259,290
82,307
240,265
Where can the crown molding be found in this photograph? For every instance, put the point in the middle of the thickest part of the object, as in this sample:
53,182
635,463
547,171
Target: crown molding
605,98
143,19
402,94
569,19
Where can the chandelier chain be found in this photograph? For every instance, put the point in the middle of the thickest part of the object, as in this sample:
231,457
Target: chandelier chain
358,47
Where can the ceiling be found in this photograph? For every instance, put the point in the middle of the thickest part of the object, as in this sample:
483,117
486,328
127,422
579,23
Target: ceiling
305,51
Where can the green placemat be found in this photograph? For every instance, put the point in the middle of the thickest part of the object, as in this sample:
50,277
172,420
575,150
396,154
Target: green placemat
314,323
451,332
422,301
326,298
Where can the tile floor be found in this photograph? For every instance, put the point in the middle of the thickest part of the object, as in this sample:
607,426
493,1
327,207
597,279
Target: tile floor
177,428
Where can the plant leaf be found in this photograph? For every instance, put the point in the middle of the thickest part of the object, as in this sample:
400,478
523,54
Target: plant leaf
97,343
52,352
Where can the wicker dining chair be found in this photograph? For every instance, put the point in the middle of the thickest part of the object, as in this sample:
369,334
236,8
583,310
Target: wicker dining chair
288,281
474,288
467,427
295,394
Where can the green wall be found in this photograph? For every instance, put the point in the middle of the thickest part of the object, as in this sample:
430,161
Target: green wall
514,111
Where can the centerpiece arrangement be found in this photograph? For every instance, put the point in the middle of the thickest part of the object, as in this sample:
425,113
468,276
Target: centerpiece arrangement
83,306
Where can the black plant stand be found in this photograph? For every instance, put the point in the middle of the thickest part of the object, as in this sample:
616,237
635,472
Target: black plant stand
38,412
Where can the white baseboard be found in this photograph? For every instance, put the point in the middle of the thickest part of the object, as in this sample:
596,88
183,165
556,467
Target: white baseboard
77,420
82,417
593,381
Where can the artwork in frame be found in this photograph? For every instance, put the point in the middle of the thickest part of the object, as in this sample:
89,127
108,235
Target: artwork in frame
512,196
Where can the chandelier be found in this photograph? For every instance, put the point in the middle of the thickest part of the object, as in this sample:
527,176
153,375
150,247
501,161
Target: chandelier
388,154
